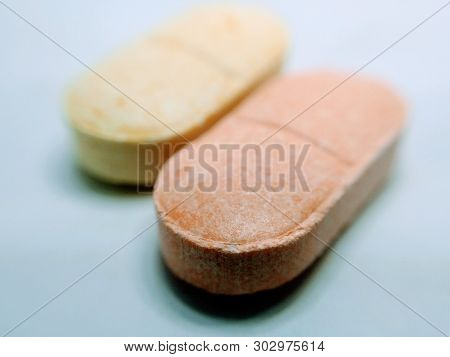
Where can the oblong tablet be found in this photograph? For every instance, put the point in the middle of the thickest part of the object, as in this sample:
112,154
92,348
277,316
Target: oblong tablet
168,87
223,235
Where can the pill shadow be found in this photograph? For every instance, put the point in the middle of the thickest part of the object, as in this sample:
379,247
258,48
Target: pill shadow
95,184
250,305
241,306
67,175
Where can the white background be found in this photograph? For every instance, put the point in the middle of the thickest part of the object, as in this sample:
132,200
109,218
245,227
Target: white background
56,224
332,346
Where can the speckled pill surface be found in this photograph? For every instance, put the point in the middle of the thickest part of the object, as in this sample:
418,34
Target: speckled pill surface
238,241
168,87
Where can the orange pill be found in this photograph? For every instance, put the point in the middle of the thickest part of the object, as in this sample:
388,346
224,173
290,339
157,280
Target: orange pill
253,202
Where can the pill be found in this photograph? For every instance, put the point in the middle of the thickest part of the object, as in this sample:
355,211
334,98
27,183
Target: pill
167,87
233,239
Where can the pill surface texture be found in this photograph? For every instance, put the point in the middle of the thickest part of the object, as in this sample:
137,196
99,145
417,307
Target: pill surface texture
226,236
167,87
